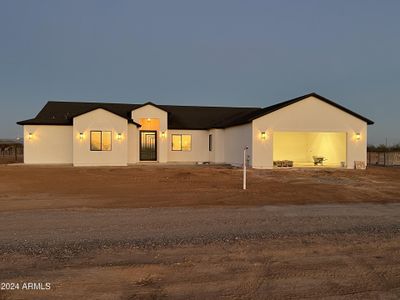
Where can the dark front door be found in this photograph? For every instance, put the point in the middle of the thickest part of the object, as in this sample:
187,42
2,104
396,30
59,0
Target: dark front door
148,145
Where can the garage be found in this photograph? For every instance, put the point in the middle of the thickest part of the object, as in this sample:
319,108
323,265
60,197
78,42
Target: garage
310,149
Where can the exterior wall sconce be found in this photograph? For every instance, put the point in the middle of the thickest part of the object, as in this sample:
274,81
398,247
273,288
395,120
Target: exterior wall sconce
30,135
148,119
163,134
81,136
119,136
263,135
358,136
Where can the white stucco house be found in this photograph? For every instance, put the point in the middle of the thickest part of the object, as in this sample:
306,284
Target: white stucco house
110,134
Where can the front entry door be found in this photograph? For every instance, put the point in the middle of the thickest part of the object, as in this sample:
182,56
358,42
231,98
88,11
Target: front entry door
148,145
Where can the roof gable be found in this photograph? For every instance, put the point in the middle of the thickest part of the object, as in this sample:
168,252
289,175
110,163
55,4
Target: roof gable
109,111
272,108
149,103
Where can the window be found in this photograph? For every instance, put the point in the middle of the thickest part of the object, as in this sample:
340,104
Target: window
210,142
100,140
176,142
106,141
95,141
181,142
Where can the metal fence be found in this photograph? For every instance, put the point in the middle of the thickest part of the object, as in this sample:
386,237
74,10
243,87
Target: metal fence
11,151
388,158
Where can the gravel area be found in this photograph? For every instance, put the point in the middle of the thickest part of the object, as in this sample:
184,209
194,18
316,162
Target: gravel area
320,251
41,230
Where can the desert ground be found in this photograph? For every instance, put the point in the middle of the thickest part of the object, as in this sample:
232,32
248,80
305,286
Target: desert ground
152,232
60,187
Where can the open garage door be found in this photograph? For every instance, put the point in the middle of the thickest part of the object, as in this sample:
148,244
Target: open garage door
308,149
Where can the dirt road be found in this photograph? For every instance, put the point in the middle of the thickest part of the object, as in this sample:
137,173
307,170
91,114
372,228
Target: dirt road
310,251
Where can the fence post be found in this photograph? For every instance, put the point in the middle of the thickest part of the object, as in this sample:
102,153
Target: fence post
244,168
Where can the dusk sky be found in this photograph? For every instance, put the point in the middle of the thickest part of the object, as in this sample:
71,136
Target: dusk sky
233,53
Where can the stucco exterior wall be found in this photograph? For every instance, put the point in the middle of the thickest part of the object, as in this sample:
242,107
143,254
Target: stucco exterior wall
199,152
103,120
48,144
152,112
236,138
133,144
217,155
311,115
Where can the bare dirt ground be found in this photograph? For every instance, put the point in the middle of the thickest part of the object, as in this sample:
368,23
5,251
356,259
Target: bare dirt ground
40,187
152,232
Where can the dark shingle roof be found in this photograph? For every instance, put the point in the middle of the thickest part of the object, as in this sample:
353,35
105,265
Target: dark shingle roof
62,113
179,117
269,109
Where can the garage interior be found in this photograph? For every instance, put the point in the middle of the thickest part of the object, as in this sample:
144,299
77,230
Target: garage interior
310,149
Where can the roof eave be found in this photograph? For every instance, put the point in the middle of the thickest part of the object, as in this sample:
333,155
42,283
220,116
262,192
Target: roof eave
24,123
130,121
326,100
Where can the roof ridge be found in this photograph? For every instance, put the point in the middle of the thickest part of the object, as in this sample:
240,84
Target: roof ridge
90,102
211,106
149,102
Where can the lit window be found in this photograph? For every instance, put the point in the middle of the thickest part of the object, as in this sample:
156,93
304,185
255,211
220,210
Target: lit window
100,141
186,142
106,141
95,140
176,142
181,142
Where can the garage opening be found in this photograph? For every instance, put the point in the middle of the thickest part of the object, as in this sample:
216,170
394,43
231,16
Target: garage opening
310,149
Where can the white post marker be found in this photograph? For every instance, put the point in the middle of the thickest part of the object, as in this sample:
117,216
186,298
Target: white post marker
244,167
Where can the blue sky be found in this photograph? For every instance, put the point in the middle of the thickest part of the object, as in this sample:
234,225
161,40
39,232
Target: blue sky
236,53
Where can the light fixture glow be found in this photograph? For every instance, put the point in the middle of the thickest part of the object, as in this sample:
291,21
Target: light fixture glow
30,135
148,119
119,136
163,134
81,136
358,136
263,135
